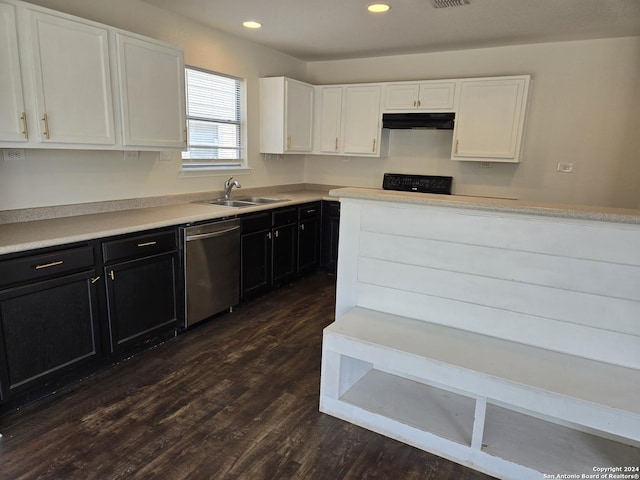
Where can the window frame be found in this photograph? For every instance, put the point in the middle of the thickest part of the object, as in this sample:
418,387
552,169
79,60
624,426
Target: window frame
213,165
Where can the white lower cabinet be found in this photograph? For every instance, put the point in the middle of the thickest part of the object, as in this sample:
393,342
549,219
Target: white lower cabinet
12,114
490,119
349,120
151,77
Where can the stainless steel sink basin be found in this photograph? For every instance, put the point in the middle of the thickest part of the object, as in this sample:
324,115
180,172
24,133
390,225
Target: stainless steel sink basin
243,201
227,202
260,200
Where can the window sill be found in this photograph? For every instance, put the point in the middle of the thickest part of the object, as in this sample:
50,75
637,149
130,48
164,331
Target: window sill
215,172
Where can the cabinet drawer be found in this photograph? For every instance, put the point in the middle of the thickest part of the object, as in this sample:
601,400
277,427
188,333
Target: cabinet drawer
35,267
332,209
256,223
309,210
139,246
285,217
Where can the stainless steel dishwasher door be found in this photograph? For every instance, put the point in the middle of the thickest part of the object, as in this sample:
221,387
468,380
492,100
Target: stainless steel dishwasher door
211,269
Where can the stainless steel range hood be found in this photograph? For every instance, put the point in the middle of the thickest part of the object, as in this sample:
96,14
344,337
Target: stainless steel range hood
441,121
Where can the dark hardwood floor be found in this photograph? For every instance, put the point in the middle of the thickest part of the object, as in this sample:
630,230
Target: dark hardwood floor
236,398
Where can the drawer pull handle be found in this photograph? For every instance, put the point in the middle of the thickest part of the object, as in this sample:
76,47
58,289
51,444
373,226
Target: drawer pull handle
147,244
48,265
112,275
95,279
25,127
45,119
313,210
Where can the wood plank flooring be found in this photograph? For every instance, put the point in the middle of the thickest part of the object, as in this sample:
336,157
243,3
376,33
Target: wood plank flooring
235,398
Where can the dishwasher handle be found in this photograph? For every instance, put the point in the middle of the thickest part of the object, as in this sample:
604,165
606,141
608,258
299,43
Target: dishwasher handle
202,236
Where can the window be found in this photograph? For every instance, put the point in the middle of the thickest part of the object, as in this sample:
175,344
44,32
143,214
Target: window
214,121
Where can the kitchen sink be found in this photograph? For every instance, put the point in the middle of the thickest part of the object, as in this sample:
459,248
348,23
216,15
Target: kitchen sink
260,200
243,201
227,202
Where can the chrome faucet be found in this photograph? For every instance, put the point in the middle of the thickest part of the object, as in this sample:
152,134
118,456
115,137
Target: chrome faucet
228,185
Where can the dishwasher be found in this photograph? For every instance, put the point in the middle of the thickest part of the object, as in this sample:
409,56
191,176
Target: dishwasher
211,269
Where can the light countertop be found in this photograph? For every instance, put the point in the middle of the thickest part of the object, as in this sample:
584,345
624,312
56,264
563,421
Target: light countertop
579,212
22,236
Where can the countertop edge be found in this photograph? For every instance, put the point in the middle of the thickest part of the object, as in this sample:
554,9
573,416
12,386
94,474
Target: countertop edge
27,236
574,212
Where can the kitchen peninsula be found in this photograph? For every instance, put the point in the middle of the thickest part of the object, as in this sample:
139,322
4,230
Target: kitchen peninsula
500,334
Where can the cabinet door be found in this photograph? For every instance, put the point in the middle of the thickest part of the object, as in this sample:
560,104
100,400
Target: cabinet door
73,81
308,245
284,253
362,120
46,330
141,296
151,78
490,120
330,234
255,263
437,96
330,119
299,116
12,114
401,96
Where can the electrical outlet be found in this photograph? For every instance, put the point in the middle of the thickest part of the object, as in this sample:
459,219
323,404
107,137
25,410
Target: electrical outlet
485,164
565,167
131,155
13,154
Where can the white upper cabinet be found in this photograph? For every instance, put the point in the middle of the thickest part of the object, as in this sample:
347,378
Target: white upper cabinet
362,120
330,119
286,116
348,120
70,83
74,98
490,119
13,121
436,96
152,102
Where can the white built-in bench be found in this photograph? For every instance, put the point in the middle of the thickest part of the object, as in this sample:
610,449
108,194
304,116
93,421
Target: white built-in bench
506,342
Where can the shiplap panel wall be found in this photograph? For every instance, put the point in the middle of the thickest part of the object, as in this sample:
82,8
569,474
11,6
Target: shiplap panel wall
564,285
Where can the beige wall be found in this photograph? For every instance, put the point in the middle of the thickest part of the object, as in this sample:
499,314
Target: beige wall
50,177
584,109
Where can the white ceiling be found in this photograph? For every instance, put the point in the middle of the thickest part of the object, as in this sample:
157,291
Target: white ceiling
335,29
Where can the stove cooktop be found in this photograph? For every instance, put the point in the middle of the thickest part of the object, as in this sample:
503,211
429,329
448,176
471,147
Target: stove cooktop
417,183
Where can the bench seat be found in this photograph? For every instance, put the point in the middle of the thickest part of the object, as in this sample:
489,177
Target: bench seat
488,378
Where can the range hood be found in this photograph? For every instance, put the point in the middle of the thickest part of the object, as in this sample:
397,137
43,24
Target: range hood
441,121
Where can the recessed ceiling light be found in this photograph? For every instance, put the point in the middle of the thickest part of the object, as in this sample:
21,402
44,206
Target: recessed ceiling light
251,24
378,8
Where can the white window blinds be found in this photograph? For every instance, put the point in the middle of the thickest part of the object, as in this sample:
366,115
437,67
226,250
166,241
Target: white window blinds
213,121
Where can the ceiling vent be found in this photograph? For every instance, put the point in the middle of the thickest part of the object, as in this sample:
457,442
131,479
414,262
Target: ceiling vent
449,3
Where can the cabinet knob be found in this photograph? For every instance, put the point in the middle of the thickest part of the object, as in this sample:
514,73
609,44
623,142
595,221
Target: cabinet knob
269,235
302,226
112,275
277,233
